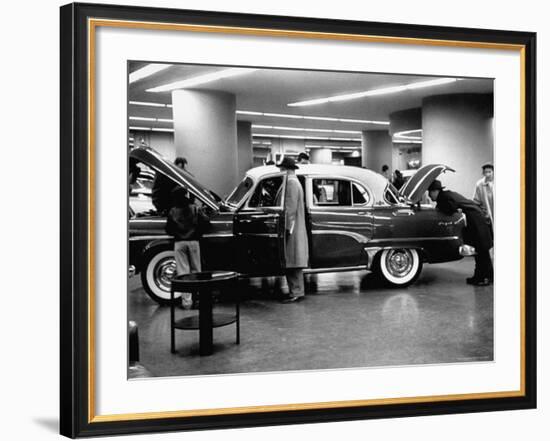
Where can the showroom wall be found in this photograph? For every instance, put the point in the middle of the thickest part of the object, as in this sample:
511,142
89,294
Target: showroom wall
458,123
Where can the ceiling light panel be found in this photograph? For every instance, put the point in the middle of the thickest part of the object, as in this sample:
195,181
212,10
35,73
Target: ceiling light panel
147,71
374,92
202,79
303,129
315,118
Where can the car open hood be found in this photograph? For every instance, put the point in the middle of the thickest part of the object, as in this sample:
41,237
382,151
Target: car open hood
418,184
184,179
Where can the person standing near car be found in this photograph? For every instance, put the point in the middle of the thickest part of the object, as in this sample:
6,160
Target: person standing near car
483,193
476,233
296,243
186,222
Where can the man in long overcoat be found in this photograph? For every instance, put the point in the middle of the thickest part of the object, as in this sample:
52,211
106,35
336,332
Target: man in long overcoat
296,243
477,232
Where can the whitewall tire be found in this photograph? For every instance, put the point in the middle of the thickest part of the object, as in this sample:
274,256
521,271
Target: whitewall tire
399,267
158,270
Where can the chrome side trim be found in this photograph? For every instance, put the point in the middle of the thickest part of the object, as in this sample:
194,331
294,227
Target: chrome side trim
151,237
412,239
272,235
334,270
358,237
218,235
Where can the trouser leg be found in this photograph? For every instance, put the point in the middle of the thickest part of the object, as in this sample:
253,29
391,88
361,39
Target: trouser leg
183,266
182,257
295,280
194,256
484,266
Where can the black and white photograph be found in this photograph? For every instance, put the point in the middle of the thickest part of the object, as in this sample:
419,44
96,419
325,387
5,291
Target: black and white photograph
298,220
275,220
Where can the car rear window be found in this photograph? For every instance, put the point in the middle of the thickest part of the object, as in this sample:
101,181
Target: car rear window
331,192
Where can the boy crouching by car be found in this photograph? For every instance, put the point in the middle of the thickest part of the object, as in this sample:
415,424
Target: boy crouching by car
186,222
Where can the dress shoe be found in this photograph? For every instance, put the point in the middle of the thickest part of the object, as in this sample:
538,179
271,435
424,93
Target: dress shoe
483,282
472,280
290,299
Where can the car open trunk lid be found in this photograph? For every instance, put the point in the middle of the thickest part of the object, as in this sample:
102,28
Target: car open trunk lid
418,184
181,177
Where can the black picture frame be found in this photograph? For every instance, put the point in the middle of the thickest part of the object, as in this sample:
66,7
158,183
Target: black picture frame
77,419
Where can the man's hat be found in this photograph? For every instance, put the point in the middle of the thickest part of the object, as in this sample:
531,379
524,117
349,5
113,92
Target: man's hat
488,165
287,163
303,155
435,185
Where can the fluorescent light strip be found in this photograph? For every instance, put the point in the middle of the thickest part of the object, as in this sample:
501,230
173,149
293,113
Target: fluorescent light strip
303,129
147,71
406,141
149,129
318,146
316,118
202,79
149,104
374,92
408,132
142,118
404,137
267,135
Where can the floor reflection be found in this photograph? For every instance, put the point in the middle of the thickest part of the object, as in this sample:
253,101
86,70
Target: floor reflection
347,320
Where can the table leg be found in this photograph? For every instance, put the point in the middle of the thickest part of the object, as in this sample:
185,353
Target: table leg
205,322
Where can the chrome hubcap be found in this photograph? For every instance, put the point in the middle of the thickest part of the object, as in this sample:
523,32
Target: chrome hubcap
165,270
399,262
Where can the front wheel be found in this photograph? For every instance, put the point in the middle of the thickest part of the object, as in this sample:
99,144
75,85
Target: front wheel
157,274
399,267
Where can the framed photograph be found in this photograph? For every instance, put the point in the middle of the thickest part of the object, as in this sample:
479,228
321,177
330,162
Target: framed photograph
278,220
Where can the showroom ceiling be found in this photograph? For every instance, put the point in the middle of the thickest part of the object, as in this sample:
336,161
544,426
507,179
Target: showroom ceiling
272,90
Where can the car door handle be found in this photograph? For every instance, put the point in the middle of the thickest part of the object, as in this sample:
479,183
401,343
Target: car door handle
400,213
361,213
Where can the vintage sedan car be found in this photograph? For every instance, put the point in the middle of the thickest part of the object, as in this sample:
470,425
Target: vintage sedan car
355,220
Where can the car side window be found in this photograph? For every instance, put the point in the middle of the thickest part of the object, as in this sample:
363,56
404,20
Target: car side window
268,193
331,192
360,194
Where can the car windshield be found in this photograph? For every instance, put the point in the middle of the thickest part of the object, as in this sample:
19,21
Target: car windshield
240,192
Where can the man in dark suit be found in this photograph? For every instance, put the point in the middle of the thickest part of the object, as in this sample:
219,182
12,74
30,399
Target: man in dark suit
477,232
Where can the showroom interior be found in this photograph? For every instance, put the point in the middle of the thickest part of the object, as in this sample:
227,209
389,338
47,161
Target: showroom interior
227,120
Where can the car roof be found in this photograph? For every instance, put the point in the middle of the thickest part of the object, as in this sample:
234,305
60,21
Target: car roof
375,181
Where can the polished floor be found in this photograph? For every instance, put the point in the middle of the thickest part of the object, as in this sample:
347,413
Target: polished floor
347,320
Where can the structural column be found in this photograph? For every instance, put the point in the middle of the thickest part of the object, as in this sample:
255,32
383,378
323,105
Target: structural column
245,153
376,147
458,132
205,133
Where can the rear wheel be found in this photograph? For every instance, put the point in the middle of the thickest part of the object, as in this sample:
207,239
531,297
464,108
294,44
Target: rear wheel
158,270
399,267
